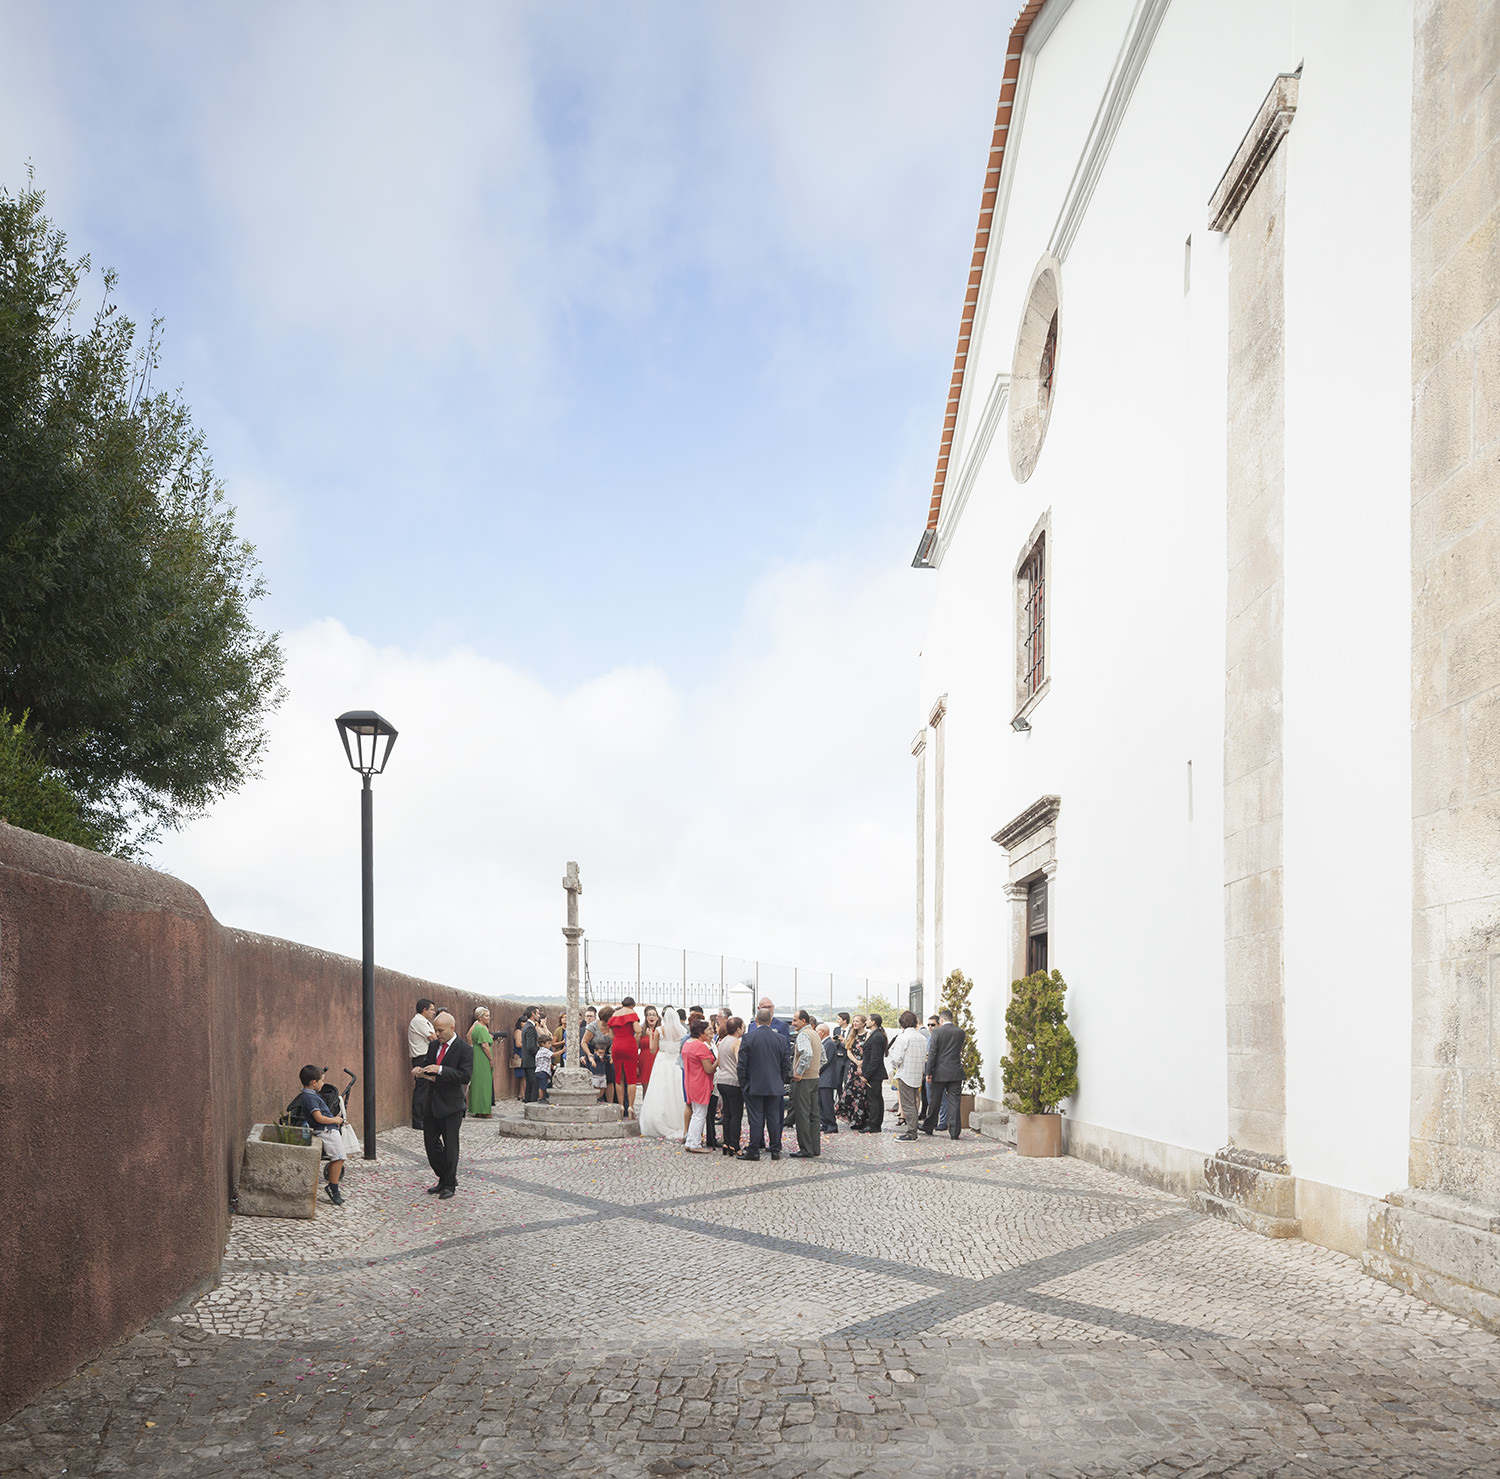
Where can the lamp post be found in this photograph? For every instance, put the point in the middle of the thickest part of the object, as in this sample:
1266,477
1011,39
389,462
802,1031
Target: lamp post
373,739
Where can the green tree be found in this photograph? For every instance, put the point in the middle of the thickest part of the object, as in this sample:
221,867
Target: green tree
878,1003
125,595
31,796
1041,1069
956,992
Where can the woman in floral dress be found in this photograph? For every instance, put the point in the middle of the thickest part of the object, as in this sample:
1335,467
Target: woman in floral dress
853,1100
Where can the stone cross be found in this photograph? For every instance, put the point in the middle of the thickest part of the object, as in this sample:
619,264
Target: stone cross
573,933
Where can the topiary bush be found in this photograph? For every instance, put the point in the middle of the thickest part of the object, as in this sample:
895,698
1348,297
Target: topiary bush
1041,1069
956,990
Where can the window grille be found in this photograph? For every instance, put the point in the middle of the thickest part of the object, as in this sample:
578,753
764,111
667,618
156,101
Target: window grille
1034,620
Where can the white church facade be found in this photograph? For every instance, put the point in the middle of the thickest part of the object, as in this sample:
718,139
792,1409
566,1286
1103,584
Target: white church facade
1210,710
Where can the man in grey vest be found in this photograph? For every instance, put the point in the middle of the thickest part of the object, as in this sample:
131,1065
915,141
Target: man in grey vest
807,1063
945,1073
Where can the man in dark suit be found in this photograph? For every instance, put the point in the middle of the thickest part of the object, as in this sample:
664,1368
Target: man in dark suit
945,1073
530,1041
872,1066
765,1069
447,1069
830,1077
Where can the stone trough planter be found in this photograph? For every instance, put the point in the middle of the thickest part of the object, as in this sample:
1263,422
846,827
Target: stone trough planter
278,1180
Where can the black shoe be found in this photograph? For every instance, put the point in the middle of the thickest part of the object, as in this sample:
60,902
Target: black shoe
334,1194
800,1155
748,1155
912,1136
776,1155
447,1192
926,1131
435,1188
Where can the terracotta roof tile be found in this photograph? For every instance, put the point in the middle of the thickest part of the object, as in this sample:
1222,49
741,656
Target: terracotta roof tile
1028,14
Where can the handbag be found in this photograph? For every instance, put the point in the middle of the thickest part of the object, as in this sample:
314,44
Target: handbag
515,1060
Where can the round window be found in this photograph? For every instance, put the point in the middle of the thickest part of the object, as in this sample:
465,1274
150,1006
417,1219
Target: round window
1033,372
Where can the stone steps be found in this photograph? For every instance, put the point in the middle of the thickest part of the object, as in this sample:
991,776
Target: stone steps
530,1129
591,1113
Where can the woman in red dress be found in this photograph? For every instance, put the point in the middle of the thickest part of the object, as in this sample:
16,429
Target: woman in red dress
624,1053
650,1037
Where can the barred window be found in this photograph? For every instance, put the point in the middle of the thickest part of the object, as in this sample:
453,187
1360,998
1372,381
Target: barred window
1034,619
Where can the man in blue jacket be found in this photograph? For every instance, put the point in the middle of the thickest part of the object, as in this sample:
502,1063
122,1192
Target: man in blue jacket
765,1069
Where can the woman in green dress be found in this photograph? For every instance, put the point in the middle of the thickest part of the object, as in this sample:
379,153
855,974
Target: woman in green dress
482,1082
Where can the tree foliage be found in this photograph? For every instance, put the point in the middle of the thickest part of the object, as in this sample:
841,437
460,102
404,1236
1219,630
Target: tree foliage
1041,1069
125,595
878,1003
32,796
956,992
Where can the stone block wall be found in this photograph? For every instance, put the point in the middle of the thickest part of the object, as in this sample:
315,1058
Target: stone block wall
139,1040
1455,1134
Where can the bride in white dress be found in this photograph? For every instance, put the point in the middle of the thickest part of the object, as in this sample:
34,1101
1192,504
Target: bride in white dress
662,1108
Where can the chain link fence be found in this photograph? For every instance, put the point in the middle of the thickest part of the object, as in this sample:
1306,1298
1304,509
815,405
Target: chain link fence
662,976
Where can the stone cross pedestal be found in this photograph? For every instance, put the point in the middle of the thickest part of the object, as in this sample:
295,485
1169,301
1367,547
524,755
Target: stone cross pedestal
573,1111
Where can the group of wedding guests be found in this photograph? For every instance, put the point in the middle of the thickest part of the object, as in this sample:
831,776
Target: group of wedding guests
533,1044
831,1072
712,1072
694,1076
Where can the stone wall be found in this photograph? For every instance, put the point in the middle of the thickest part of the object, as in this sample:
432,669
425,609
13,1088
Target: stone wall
139,1041
1441,1236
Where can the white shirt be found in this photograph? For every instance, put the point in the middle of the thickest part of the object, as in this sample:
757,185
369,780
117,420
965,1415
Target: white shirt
419,1034
908,1056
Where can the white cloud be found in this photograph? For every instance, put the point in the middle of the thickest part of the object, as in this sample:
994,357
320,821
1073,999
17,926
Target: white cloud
766,811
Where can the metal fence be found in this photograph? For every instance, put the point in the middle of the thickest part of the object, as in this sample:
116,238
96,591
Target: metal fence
664,975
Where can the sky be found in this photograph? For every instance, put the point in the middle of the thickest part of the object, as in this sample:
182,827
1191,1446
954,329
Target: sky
577,370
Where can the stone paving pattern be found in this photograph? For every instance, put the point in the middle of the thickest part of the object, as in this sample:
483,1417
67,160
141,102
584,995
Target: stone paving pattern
936,1308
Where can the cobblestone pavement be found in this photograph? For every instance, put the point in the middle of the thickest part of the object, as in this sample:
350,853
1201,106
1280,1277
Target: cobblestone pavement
935,1308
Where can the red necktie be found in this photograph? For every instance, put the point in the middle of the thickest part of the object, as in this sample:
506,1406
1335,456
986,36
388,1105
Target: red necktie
443,1049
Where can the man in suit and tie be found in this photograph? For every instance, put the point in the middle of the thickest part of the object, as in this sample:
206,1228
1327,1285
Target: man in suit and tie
872,1066
447,1068
765,1069
945,1073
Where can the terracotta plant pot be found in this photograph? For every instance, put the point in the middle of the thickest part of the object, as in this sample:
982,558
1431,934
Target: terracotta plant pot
1039,1134
965,1109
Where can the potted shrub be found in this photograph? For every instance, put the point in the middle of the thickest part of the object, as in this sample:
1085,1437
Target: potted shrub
1041,1069
956,991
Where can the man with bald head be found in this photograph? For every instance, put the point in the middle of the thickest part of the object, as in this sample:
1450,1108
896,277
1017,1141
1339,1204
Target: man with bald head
447,1068
764,1068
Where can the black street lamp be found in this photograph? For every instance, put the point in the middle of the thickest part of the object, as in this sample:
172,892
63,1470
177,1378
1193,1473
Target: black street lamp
373,738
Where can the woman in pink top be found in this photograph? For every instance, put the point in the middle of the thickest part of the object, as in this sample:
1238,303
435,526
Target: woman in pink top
698,1063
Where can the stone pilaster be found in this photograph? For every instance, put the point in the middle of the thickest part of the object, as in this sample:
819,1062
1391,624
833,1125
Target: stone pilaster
1441,1235
940,749
1249,1179
919,749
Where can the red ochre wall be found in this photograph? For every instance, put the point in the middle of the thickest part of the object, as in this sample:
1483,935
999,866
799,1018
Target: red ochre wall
139,1041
